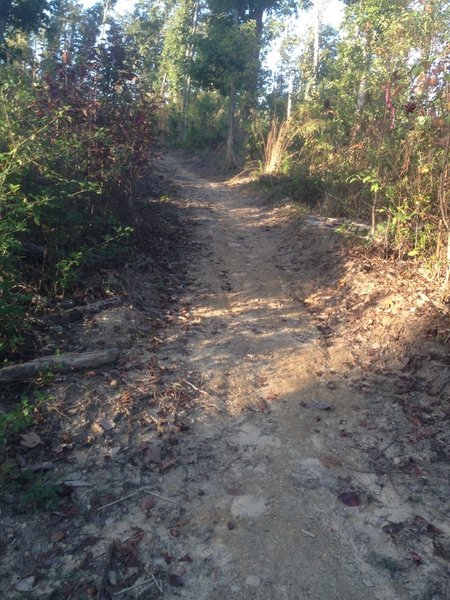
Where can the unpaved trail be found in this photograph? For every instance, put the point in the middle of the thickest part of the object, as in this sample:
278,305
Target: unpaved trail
276,433
268,523
270,512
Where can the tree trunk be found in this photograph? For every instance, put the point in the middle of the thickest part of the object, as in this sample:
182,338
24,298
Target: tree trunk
186,97
231,156
316,43
252,90
289,100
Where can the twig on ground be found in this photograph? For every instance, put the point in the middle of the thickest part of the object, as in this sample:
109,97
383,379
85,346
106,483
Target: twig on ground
391,443
201,391
157,583
105,571
136,493
195,388
229,463
137,585
48,466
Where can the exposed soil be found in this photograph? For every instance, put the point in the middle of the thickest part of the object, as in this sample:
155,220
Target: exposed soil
278,431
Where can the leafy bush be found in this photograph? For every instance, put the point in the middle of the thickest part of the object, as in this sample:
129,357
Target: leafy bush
298,185
69,167
15,421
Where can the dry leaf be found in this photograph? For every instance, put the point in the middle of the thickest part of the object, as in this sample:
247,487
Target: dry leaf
272,398
148,503
58,536
152,454
175,580
393,528
328,460
441,549
30,440
167,464
91,591
234,491
185,558
106,424
351,499
263,406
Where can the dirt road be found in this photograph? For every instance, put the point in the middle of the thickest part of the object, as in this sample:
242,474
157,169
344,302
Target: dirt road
269,525
258,445
291,508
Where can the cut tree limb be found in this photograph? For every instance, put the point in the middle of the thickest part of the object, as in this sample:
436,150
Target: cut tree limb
59,363
77,313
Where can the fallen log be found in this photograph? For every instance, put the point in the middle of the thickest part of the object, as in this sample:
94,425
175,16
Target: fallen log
72,361
77,313
30,249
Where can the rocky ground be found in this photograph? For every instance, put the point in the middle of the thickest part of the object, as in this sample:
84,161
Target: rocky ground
276,425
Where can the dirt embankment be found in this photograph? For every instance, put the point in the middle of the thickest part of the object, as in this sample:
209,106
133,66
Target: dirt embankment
280,432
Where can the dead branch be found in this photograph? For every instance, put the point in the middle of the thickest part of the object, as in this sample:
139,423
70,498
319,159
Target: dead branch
71,361
77,313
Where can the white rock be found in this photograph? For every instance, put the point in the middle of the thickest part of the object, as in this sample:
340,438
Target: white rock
252,581
27,584
248,506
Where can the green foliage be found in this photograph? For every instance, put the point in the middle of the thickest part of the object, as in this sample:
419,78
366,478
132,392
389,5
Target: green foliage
376,131
17,420
207,128
39,492
21,417
296,185
31,490
23,16
223,59
175,55
145,40
73,145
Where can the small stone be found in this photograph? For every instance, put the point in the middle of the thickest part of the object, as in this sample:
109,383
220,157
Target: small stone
252,581
235,588
27,584
106,424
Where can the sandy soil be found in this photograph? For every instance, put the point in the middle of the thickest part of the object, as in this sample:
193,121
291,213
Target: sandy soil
280,433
